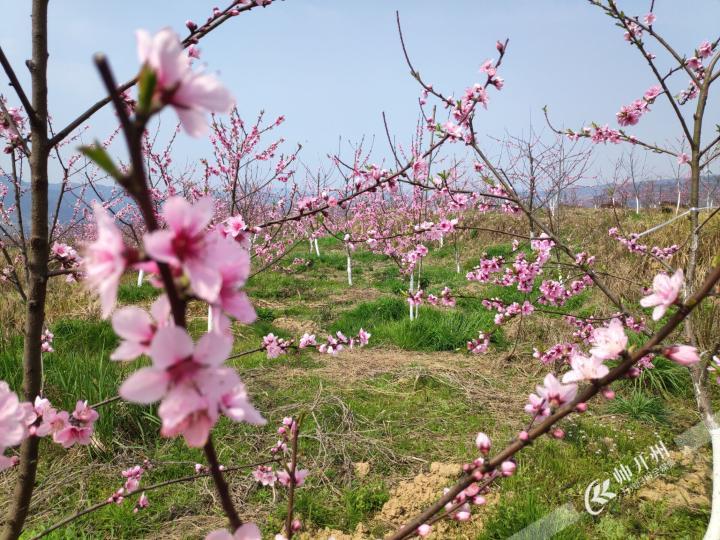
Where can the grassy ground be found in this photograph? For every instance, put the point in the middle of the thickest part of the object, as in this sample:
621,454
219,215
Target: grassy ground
373,419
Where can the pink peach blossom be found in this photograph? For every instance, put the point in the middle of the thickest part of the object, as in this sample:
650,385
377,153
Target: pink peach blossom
137,328
13,423
585,368
191,94
684,355
665,292
609,341
188,244
105,260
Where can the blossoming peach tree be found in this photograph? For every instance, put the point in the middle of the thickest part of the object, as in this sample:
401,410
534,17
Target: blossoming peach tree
197,250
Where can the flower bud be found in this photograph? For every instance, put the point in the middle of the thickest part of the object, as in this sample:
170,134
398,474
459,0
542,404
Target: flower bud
423,530
507,468
483,443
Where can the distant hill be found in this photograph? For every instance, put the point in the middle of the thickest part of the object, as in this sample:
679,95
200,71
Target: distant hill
66,206
651,192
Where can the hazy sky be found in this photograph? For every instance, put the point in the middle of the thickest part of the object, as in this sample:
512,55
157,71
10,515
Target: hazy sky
332,66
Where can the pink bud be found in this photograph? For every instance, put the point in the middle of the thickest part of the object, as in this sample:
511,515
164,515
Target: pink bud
296,525
507,468
684,355
581,407
483,443
478,474
191,25
524,436
558,433
633,373
500,46
479,500
608,393
424,530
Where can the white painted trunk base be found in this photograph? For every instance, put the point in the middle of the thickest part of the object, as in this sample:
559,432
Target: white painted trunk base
713,530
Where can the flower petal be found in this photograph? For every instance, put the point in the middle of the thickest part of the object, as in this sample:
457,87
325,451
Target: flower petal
146,385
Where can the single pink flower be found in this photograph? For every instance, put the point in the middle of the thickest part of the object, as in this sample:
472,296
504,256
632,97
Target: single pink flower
191,94
705,49
234,268
665,292
609,341
142,503
13,424
300,475
555,394
684,355
78,428
188,244
137,328
192,383
364,337
585,368
236,406
652,93
105,260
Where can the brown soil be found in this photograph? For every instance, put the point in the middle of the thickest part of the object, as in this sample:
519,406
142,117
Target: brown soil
407,499
689,490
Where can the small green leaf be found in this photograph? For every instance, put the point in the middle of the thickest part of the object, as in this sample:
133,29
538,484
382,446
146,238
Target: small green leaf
146,88
102,159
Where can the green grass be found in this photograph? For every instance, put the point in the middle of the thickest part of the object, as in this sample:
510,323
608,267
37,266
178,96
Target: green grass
435,329
666,378
397,420
130,293
640,406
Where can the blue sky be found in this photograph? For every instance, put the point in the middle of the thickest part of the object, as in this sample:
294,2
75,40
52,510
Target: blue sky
333,66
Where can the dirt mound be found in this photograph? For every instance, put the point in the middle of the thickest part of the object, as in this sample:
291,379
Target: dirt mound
409,498
296,327
689,490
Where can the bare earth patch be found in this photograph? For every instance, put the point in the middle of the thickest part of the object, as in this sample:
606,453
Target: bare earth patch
690,490
409,498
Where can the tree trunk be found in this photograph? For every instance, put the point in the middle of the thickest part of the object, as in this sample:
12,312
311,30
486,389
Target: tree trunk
349,266
37,267
713,530
412,280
